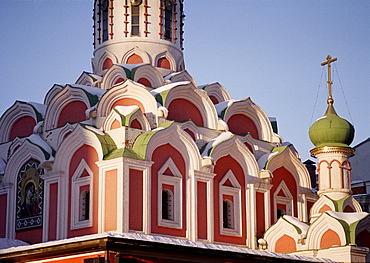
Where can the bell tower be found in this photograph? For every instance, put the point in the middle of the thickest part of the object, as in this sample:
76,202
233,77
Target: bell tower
138,31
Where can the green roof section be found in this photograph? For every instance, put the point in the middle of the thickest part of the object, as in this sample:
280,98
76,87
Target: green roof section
106,142
130,73
161,97
142,141
277,150
331,130
125,119
299,231
349,228
93,99
123,152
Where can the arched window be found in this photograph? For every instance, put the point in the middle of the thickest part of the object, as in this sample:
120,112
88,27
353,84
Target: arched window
168,7
84,205
135,17
228,211
167,204
104,4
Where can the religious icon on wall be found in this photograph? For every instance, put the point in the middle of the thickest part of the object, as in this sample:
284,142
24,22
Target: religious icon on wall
29,196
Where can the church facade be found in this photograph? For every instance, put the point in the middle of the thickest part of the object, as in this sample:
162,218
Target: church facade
137,149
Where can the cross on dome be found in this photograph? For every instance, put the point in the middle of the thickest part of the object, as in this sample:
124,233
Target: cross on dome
329,60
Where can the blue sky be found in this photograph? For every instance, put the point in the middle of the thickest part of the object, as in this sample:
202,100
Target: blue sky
269,50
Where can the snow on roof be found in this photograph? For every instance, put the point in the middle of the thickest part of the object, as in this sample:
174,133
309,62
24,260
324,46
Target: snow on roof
132,66
165,240
126,110
7,243
223,105
41,108
296,222
222,137
348,217
92,90
2,166
96,130
264,158
168,87
37,140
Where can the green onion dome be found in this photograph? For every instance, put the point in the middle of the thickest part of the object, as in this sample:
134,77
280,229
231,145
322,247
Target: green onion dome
331,130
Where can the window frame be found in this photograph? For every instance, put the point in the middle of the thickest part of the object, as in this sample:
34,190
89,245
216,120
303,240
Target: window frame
78,183
174,181
235,192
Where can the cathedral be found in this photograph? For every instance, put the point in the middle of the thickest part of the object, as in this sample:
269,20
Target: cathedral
136,162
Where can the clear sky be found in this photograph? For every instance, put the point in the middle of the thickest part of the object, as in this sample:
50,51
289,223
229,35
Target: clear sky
269,50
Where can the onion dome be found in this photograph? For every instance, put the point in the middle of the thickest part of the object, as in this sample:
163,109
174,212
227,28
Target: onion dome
331,130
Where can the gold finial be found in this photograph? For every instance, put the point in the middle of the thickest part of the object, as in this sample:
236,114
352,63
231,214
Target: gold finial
329,60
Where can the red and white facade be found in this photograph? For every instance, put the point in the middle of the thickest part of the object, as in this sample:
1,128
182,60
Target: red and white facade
137,146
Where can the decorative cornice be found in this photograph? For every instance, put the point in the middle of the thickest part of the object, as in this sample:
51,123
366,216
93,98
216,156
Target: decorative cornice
332,149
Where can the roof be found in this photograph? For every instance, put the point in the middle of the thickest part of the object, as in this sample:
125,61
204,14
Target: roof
158,247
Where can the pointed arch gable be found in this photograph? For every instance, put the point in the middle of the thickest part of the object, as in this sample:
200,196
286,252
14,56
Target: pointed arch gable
73,100
362,233
24,152
192,129
146,144
129,93
79,137
216,92
88,79
113,76
200,103
322,225
180,76
285,226
19,120
139,52
149,73
102,60
119,118
252,113
286,158
168,57
52,93
238,151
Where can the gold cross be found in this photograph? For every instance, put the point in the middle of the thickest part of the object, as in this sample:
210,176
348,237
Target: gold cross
329,59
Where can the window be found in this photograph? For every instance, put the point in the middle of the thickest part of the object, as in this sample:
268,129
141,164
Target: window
168,6
167,204
228,217
104,4
280,212
84,205
283,201
135,19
